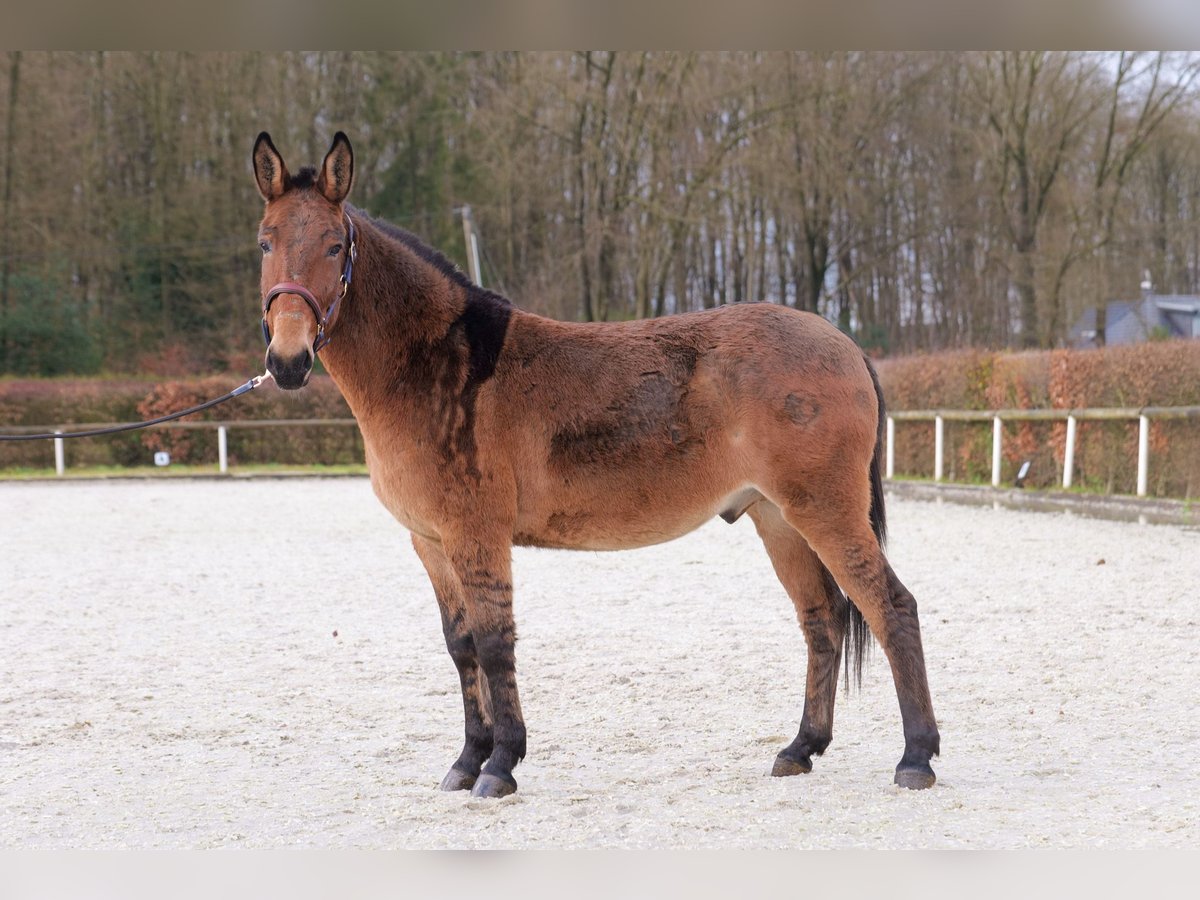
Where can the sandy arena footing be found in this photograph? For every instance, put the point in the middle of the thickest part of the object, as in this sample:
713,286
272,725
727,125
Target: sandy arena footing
260,663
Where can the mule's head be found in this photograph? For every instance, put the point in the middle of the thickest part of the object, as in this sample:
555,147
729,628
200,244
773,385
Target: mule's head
305,247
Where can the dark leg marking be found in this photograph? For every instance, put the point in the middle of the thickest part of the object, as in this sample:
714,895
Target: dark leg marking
822,612
921,738
824,626
477,715
860,567
497,659
477,745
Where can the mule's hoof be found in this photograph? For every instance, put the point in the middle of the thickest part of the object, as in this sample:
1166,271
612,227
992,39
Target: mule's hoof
915,779
492,786
784,767
457,780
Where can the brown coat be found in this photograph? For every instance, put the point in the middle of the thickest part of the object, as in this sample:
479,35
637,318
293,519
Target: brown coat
486,426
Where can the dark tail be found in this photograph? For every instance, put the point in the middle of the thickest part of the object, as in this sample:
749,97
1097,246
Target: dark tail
878,513
858,635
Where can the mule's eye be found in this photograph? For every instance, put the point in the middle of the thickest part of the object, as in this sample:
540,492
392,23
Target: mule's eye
265,245
335,250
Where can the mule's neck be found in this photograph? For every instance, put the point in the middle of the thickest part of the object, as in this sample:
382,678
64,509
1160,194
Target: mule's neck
399,306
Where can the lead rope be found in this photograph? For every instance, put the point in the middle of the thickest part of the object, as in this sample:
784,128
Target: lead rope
133,426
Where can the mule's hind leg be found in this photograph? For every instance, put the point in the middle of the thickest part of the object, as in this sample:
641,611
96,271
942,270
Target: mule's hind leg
821,610
839,531
459,641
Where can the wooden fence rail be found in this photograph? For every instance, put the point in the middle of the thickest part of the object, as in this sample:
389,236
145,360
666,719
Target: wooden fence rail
938,416
999,416
222,428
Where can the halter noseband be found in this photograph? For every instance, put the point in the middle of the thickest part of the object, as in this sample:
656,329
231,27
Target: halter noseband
325,320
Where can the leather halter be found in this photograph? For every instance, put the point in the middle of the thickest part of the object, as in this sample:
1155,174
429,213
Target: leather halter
325,319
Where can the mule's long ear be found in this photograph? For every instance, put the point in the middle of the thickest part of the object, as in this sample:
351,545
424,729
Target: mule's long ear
337,172
269,170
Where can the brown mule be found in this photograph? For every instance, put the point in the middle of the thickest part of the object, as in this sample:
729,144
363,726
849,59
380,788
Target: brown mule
487,427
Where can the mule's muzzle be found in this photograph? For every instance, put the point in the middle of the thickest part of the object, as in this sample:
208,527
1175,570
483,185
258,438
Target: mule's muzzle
290,373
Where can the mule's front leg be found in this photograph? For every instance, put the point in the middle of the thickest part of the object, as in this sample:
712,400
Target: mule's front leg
485,572
477,711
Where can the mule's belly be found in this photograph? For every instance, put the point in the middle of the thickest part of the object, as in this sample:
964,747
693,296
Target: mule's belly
582,536
603,516
587,530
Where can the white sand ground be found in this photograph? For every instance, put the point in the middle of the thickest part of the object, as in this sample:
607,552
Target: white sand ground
169,677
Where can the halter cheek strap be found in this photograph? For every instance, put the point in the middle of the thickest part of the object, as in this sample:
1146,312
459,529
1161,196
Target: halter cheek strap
325,319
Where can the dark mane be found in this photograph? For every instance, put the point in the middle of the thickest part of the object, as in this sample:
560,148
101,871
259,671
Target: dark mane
305,178
434,257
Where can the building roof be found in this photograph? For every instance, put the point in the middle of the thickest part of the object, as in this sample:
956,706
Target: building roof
1133,321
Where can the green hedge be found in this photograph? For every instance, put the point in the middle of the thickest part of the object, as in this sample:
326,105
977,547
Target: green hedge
1153,374
58,402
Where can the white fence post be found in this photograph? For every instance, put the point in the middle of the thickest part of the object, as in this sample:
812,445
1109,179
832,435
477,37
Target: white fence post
891,447
1143,455
939,442
1072,416
997,434
471,245
1069,456
475,259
